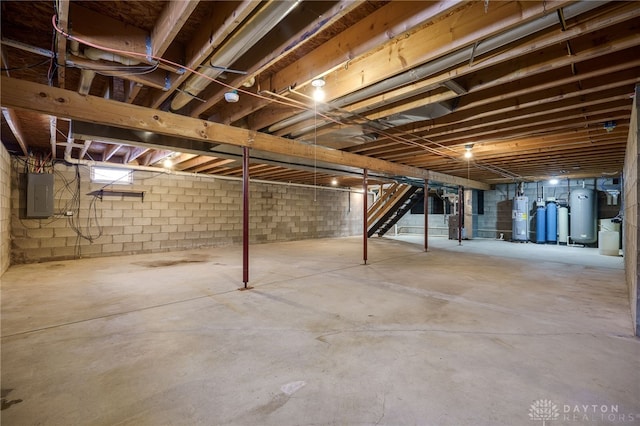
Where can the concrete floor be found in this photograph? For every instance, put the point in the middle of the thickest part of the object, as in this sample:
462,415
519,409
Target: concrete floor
449,337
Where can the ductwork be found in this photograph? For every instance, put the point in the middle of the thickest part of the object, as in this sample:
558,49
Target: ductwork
86,78
87,75
90,163
248,35
97,54
441,64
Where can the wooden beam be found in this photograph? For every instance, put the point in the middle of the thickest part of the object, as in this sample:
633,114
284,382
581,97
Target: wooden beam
363,37
85,148
53,130
167,27
431,41
110,151
62,7
211,34
196,161
156,156
135,152
304,36
213,165
169,24
63,103
14,124
109,32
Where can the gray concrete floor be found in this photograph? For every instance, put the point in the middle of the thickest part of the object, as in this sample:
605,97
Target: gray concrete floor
455,336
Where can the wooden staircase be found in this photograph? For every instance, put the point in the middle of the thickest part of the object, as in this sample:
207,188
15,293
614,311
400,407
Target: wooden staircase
394,202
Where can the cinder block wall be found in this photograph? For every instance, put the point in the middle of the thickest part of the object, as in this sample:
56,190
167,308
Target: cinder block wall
5,209
630,227
178,212
414,224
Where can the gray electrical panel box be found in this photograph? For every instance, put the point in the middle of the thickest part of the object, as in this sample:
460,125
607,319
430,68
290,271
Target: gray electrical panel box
39,195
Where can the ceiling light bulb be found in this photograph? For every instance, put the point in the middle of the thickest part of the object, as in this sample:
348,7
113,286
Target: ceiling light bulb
167,164
468,148
334,181
318,82
318,94
553,181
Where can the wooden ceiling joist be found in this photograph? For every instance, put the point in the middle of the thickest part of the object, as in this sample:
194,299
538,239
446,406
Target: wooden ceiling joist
49,100
16,128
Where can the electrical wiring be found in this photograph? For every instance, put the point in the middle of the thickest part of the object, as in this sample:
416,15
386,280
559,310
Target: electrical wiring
26,67
88,228
75,219
193,71
394,137
159,59
116,71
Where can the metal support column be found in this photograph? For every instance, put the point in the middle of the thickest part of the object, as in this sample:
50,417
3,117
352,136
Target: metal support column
245,216
426,214
460,197
365,225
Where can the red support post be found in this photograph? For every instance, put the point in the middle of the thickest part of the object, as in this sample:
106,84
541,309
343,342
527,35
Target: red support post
365,226
245,216
426,215
460,201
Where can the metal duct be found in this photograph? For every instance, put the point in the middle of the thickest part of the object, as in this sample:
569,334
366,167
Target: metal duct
248,35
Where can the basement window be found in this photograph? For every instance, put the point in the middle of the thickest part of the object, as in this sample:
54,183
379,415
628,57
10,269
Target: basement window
111,176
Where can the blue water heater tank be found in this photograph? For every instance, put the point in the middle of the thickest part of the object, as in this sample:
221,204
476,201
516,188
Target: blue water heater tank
540,223
552,222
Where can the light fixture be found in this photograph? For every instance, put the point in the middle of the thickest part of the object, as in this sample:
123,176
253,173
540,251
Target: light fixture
167,163
231,96
553,181
334,181
468,154
609,125
318,94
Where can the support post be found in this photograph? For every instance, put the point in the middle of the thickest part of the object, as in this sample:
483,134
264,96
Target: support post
426,214
460,196
245,216
365,225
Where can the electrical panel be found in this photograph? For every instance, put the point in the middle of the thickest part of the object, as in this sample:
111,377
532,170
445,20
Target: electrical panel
39,195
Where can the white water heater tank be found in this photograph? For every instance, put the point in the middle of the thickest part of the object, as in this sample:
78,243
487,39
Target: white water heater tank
520,218
583,216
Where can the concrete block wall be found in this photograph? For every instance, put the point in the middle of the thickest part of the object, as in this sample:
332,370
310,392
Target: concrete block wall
414,224
178,212
5,209
630,225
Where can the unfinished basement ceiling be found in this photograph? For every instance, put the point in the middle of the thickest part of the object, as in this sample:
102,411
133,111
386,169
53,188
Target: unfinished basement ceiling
539,88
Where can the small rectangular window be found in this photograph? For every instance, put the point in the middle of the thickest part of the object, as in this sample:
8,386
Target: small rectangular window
436,204
418,206
111,176
480,199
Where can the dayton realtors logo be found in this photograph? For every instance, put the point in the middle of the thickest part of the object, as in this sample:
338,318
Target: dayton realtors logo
545,410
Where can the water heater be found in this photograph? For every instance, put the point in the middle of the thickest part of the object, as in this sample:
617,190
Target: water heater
552,221
520,218
583,216
541,226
